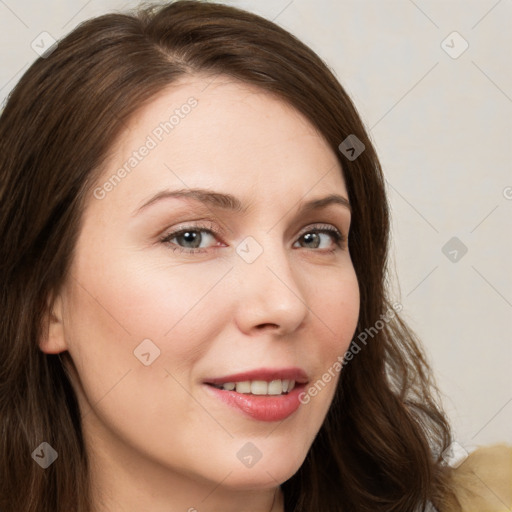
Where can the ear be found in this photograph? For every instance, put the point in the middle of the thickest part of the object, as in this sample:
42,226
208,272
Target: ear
52,338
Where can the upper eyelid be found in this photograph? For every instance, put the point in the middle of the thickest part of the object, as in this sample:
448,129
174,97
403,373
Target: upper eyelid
212,230
318,226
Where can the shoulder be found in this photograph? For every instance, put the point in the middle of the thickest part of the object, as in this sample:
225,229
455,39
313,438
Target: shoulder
483,482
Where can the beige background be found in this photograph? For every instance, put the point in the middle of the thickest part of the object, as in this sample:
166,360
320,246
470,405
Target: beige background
443,129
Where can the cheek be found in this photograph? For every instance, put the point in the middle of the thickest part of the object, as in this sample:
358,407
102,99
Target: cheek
137,297
335,305
119,313
116,310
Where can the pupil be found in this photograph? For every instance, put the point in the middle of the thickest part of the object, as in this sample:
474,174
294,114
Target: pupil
192,238
308,237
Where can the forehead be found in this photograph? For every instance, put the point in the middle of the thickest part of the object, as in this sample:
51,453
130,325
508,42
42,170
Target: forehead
219,133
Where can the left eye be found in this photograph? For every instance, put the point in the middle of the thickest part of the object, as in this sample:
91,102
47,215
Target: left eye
315,237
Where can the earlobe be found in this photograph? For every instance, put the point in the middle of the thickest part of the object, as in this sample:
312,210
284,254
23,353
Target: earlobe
52,338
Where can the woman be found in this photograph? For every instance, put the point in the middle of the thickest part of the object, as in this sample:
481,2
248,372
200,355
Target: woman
194,311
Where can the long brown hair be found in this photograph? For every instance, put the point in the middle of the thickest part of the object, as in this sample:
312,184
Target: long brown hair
380,447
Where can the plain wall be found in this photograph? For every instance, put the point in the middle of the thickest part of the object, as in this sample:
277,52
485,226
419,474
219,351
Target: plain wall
442,126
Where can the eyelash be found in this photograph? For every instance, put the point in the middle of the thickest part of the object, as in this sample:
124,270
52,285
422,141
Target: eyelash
338,237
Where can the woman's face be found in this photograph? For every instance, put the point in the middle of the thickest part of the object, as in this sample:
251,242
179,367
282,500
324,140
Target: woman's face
150,316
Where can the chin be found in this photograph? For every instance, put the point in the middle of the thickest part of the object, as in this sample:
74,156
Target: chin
265,478
273,468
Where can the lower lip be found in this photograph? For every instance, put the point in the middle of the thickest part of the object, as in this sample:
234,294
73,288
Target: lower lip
261,407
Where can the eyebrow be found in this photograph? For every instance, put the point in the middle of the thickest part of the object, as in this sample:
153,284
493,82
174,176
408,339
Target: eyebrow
229,202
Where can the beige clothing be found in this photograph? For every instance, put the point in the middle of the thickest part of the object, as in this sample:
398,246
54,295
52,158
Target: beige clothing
484,480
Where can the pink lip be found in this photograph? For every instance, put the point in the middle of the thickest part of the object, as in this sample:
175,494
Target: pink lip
261,407
268,374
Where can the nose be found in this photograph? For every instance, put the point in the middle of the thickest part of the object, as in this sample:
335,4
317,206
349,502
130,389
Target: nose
269,295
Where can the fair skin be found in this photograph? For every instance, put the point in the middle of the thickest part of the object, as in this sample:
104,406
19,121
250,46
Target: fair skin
155,438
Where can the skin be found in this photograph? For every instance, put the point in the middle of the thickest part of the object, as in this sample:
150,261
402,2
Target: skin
156,440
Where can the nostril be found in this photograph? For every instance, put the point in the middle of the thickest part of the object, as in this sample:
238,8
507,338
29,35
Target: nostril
264,326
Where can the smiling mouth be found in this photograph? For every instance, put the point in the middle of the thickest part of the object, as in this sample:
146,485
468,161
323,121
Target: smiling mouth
258,387
262,394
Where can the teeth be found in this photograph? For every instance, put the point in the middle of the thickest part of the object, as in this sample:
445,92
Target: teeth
243,387
275,387
260,387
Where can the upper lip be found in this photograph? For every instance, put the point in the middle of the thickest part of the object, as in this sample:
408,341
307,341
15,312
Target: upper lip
267,374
